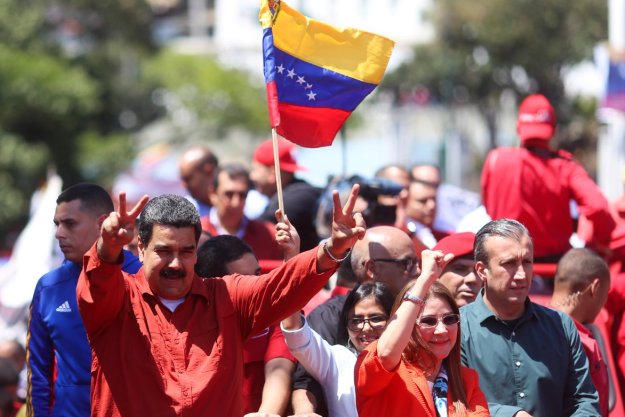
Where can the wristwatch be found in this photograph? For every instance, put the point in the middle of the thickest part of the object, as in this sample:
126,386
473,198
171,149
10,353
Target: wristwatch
414,299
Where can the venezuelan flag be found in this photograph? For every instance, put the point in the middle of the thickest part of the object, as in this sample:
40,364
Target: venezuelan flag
316,74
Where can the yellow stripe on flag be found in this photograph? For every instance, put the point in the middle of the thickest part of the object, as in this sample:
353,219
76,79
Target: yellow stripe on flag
351,52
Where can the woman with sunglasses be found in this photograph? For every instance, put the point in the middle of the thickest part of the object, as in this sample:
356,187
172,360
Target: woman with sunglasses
414,368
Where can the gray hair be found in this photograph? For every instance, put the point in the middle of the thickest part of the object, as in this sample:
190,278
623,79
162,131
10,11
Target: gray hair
168,210
506,228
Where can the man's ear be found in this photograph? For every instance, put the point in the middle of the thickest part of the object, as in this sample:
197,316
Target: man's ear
594,287
140,248
213,198
480,269
369,269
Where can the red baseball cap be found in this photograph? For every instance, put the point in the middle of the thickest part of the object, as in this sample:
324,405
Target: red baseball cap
460,244
537,118
264,155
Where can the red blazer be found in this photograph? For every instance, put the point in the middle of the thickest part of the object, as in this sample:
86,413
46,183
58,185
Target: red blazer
405,391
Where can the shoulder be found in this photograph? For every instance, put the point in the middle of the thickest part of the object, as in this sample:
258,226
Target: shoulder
68,272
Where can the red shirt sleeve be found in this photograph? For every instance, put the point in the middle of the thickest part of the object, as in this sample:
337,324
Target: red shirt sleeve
277,348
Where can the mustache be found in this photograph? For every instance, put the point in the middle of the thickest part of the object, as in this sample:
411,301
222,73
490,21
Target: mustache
172,273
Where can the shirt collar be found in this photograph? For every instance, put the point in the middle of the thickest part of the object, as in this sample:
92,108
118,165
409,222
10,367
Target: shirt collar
483,313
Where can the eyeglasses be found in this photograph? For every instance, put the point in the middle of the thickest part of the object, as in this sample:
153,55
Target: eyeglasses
407,264
356,324
432,321
230,194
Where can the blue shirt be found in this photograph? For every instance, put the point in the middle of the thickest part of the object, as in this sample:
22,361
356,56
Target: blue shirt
56,335
537,364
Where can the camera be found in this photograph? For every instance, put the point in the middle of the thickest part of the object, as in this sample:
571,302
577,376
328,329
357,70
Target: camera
374,212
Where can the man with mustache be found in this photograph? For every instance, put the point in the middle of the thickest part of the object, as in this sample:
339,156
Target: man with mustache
168,345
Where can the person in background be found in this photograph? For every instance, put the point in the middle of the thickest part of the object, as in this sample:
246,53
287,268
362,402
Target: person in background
197,165
267,363
581,288
229,193
59,356
414,367
534,185
459,275
300,198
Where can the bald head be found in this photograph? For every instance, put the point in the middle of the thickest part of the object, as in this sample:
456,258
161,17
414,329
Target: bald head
427,174
197,164
386,254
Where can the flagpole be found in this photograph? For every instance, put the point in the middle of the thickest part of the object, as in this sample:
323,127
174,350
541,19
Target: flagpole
276,164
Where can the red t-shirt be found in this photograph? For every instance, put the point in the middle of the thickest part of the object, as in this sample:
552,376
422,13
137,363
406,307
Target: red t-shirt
597,367
536,189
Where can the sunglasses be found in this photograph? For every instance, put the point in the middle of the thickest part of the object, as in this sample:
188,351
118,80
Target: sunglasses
407,264
356,324
432,321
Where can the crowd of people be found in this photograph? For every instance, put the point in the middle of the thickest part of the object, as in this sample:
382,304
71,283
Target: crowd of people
217,303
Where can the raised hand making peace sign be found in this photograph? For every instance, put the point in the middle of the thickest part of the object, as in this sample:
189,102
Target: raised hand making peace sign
118,229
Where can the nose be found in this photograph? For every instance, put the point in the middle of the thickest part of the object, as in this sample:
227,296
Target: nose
58,233
470,278
440,327
175,263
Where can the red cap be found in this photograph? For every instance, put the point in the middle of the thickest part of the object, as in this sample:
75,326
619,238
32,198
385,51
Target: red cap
460,244
537,119
264,155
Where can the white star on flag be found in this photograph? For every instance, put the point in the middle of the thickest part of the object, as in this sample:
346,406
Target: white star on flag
311,96
291,73
308,86
301,80
280,69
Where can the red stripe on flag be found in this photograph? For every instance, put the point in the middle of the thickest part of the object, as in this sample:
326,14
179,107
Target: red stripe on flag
272,101
312,127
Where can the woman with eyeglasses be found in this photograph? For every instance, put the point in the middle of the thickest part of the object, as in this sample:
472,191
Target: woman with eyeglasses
362,321
414,368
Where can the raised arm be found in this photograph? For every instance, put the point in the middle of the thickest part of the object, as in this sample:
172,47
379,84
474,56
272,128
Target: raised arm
100,288
118,230
395,337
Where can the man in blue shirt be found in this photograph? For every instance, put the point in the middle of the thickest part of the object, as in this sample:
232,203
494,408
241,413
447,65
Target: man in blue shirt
56,336
529,358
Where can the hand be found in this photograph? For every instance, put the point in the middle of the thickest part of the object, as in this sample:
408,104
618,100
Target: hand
433,263
347,226
118,229
287,237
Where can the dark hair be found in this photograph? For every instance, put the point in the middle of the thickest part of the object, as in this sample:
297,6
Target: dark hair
93,198
216,252
507,228
418,352
235,171
168,210
377,290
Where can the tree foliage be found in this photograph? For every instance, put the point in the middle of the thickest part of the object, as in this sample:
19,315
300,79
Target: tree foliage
484,48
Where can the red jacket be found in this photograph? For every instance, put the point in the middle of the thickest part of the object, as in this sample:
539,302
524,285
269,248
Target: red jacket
405,391
535,188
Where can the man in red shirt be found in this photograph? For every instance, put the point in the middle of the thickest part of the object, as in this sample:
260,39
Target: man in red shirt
581,288
228,195
166,342
535,184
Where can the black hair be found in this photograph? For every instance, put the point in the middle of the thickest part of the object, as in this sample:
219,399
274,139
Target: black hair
377,290
234,171
216,252
93,198
168,210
